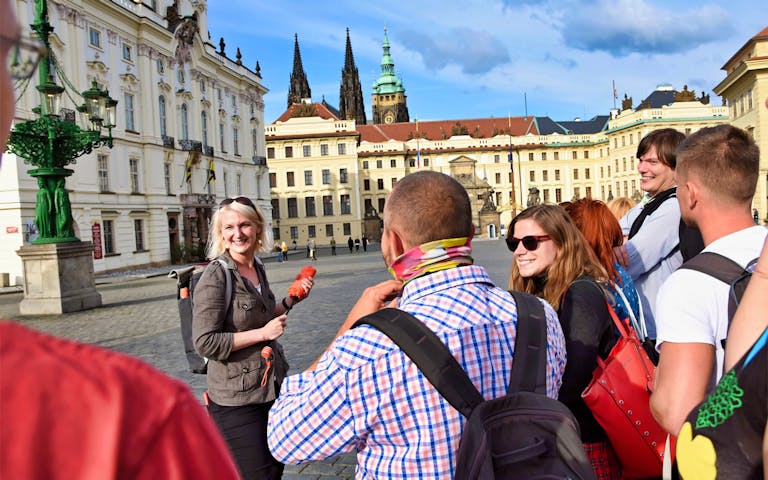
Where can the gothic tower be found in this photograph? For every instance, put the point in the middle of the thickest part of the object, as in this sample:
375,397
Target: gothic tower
389,105
299,85
351,105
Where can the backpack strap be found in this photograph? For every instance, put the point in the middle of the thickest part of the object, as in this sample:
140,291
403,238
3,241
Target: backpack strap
715,265
430,355
529,365
227,284
649,208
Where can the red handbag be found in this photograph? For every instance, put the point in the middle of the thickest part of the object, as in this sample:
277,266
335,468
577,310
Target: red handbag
619,396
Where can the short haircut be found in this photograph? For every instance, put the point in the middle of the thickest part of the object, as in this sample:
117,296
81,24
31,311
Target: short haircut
725,159
216,245
666,141
426,206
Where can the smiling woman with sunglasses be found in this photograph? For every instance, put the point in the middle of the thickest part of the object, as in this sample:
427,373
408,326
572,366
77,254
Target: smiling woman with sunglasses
552,259
246,364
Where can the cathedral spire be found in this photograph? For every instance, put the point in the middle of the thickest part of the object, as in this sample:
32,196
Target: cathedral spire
351,105
299,90
389,100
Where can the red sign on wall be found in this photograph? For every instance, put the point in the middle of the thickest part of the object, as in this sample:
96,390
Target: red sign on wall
96,239
11,229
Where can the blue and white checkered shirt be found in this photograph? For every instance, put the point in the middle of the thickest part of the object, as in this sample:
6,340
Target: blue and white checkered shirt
366,395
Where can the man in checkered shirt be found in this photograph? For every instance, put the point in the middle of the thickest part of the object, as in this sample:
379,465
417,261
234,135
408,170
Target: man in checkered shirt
364,394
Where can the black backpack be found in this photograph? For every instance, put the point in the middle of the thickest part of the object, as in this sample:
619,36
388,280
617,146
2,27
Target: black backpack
186,280
523,435
728,272
690,242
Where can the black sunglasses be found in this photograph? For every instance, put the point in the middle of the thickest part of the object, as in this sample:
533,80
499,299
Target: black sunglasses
241,200
530,242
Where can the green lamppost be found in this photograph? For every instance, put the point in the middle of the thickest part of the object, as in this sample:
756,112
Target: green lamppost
50,143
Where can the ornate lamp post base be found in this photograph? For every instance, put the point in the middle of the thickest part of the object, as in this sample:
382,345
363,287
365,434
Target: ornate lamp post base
58,278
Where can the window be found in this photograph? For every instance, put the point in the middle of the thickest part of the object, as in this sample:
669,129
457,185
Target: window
238,183
129,123
586,153
94,37
366,184
342,149
411,162
496,159
426,162
272,180
324,150
532,176
574,155
365,164
556,155
163,118
103,162
558,195
275,208
309,206
202,85
236,140
138,230
184,122
380,183
109,237
255,140
327,205
545,176
343,175
293,210
160,66
221,137
546,195
307,177
127,52
576,192
378,163
368,205
394,181
543,155
588,192
167,177
393,163
180,75
498,178
289,179
225,181
575,173
133,165
270,152
347,228
381,204
586,173
288,152
311,232
346,206
530,157
276,233
294,232
307,150
326,176
204,126
328,229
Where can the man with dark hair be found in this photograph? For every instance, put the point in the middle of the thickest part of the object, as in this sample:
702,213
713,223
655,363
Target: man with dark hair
717,171
652,252
364,394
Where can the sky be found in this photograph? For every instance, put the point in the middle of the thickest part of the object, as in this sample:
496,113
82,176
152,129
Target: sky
480,59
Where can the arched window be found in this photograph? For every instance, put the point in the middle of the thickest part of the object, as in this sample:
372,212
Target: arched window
184,123
161,110
204,124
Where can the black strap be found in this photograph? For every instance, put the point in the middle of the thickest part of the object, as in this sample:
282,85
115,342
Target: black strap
649,208
715,265
438,364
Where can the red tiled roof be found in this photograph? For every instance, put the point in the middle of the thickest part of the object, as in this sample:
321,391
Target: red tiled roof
442,129
761,35
320,111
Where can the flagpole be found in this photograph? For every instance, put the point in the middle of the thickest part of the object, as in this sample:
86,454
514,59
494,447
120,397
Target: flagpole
511,159
418,147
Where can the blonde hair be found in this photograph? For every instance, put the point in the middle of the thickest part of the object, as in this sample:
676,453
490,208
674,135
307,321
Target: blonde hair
619,206
574,257
216,245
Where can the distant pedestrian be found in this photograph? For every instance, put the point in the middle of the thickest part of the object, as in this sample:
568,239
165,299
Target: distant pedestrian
312,250
357,245
284,251
350,244
756,216
293,244
333,246
365,243
308,248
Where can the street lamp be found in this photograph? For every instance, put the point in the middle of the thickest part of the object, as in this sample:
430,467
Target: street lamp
50,143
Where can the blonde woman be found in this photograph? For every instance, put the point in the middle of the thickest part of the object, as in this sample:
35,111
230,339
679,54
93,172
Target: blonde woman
246,363
553,260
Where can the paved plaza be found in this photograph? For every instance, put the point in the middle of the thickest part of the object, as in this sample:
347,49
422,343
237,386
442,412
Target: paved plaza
139,317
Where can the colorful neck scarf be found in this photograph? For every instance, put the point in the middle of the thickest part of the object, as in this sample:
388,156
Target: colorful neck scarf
432,257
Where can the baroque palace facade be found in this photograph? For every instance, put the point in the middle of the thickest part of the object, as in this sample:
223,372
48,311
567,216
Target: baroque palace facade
330,175
190,132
